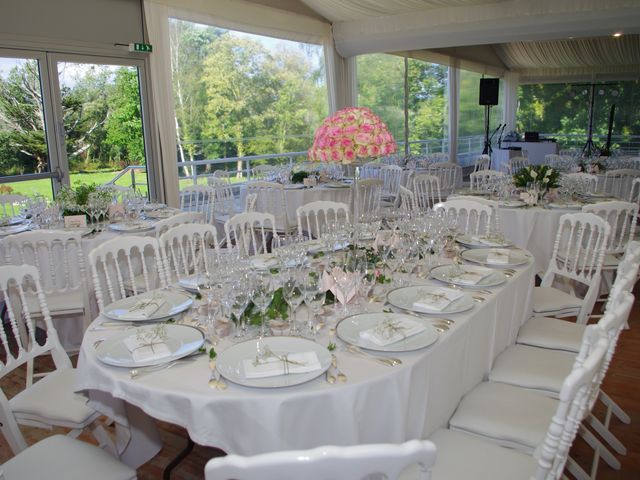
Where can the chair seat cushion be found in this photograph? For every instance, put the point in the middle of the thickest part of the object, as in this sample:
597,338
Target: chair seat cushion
51,400
60,457
511,416
58,303
549,299
611,261
463,456
549,332
533,367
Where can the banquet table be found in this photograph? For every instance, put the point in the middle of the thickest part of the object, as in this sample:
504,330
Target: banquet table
378,403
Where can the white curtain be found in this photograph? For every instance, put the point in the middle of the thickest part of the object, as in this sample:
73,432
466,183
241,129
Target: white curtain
454,95
157,25
510,105
341,74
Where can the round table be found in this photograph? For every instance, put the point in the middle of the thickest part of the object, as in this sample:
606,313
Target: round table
377,404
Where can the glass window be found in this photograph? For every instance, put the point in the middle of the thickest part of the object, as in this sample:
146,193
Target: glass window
239,95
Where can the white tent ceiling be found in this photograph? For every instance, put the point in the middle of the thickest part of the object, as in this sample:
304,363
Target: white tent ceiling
542,40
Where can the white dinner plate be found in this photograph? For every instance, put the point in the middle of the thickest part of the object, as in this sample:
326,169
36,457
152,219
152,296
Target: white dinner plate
181,340
446,274
480,255
170,303
10,230
511,203
229,362
190,283
137,226
294,186
566,206
405,297
349,330
161,213
469,242
337,185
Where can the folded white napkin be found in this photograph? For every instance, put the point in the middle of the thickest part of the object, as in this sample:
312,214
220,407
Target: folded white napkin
498,256
391,331
300,362
143,309
438,299
142,352
471,277
482,240
264,261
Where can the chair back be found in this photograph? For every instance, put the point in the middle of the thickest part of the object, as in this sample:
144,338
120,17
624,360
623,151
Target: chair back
391,176
20,342
618,182
179,219
449,175
322,463
250,231
482,163
315,216
224,197
578,254
634,193
368,193
250,202
580,182
198,198
12,205
125,266
184,249
473,217
370,170
426,189
271,199
485,180
57,256
573,405
407,200
562,162
515,164
494,225
266,172
621,217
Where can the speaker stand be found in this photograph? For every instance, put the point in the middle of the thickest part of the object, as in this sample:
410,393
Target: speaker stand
487,142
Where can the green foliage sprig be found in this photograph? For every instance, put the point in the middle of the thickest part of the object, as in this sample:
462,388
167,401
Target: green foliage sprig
277,308
298,177
542,176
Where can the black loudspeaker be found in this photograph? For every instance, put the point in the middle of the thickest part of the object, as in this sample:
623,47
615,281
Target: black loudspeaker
489,91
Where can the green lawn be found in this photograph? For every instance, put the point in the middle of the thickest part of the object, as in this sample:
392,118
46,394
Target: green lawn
43,187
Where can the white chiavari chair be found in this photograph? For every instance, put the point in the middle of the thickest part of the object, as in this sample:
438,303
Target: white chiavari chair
634,193
482,163
391,176
330,462
51,401
199,198
618,183
426,189
515,164
494,225
126,266
576,262
449,175
250,202
370,170
50,458
271,199
161,226
473,217
225,203
485,180
184,249
407,200
584,183
313,217
524,421
368,193
250,232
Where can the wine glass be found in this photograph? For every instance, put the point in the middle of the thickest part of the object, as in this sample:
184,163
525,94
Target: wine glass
314,297
262,297
240,295
292,294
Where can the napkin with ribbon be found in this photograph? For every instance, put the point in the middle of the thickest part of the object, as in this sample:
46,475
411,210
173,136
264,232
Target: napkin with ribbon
485,240
383,238
470,277
392,330
437,299
498,256
329,284
143,309
144,349
281,364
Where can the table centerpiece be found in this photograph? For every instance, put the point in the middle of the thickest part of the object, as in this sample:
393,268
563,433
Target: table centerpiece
536,180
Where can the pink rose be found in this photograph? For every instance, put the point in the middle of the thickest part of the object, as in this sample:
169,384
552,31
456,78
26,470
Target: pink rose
350,130
349,155
362,151
346,142
367,128
363,139
336,155
374,150
389,148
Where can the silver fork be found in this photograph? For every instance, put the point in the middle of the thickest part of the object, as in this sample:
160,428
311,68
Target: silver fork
388,361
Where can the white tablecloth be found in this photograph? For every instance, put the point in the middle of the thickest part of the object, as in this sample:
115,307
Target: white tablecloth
377,404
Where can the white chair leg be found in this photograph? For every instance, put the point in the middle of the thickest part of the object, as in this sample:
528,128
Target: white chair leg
104,439
577,471
599,449
603,430
614,408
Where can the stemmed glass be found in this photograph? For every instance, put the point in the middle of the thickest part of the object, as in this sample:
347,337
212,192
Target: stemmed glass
240,295
262,297
314,297
292,294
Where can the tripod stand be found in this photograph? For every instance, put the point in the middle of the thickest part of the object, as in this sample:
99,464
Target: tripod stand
487,142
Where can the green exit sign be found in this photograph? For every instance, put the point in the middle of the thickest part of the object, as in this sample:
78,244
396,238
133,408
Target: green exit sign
140,47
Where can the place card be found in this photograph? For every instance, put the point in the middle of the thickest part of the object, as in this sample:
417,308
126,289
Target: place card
75,221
